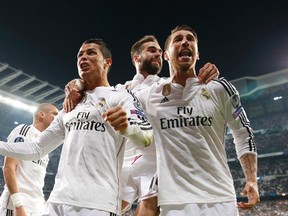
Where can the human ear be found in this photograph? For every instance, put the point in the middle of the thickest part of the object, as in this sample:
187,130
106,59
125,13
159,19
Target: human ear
166,57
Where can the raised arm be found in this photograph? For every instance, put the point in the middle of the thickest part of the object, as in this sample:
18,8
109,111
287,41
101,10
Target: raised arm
49,140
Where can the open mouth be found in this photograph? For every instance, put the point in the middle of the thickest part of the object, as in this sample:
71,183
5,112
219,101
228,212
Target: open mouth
186,53
84,66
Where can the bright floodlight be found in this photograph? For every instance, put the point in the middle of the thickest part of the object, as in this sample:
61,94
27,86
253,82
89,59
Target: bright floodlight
277,98
17,104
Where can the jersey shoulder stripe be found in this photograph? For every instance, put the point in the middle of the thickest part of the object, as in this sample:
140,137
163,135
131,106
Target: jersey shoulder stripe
231,90
24,130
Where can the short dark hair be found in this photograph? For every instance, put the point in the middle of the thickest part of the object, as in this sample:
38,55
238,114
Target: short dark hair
136,46
179,28
104,48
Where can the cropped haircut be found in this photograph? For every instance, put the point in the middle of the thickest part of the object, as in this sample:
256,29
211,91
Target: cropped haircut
104,48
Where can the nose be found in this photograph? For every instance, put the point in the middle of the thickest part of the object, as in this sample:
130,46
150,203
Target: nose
185,42
159,53
82,57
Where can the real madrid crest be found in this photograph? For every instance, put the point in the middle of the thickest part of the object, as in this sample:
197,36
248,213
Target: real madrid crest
101,103
166,89
205,94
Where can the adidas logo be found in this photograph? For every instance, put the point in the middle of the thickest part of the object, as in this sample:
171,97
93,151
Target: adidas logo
165,99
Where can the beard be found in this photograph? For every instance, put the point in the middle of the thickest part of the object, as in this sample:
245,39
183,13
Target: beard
150,68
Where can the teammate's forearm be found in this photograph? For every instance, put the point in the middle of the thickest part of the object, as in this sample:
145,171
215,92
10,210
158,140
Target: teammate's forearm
249,166
139,135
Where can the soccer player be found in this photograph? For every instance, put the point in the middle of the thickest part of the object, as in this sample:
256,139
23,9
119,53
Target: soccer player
24,180
190,119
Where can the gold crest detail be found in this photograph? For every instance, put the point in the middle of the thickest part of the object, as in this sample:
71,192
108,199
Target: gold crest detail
101,103
166,89
205,94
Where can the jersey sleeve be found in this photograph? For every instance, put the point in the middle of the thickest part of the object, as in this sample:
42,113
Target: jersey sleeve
49,140
18,134
139,130
237,120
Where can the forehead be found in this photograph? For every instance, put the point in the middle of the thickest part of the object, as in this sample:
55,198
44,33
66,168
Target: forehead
182,33
150,44
53,108
85,47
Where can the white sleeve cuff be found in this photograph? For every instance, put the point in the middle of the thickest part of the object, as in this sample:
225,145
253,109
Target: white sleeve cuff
17,200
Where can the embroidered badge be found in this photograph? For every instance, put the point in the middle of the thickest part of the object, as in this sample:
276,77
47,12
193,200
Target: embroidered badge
237,112
205,94
166,89
101,103
19,139
235,99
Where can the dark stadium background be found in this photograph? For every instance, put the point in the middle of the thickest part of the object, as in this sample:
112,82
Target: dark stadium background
42,38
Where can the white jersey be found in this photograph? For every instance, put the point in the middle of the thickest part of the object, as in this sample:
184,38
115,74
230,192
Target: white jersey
137,84
189,131
139,165
30,174
92,153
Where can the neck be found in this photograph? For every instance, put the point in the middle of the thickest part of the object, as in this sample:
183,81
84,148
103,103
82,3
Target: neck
180,77
144,73
39,126
92,85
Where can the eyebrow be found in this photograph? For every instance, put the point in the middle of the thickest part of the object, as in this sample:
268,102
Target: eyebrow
154,47
89,49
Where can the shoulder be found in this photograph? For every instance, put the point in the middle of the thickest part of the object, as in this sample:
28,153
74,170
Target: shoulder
121,86
22,129
119,94
158,86
225,85
19,133
225,91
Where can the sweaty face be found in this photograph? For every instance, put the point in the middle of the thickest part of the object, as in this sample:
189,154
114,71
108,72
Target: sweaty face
90,61
150,59
183,50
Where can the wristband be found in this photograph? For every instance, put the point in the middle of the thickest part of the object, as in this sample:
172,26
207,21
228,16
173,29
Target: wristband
17,200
